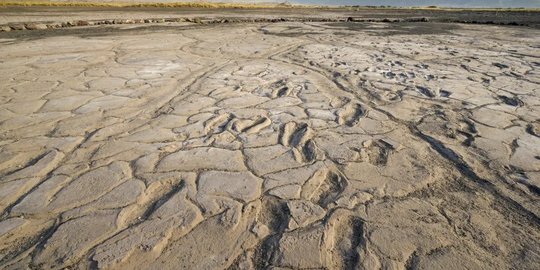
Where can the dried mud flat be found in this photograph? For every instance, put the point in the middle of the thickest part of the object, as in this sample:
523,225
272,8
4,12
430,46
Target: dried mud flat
290,145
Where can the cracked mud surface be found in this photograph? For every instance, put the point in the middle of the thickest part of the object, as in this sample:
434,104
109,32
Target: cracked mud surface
271,146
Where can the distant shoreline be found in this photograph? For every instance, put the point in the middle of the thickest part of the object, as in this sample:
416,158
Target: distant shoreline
216,5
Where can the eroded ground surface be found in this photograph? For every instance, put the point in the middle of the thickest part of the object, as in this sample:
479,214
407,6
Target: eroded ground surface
21,14
271,146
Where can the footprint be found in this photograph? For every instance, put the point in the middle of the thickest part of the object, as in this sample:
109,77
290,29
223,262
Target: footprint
279,89
293,134
350,115
389,74
217,124
281,92
348,239
259,124
501,65
468,129
389,96
377,152
444,93
249,126
522,178
286,133
302,133
534,128
425,91
299,138
511,101
324,187
310,151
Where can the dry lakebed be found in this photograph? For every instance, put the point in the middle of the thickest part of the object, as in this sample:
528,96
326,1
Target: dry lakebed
268,140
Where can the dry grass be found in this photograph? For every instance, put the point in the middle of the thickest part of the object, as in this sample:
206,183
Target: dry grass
436,8
30,3
4,3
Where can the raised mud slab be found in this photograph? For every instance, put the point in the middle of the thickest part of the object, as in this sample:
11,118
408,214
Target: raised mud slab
270,145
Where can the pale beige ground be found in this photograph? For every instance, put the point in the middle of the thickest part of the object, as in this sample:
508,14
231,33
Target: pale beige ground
271,146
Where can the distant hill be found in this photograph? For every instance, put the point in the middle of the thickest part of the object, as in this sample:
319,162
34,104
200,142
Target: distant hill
405,3
440,3
394,3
